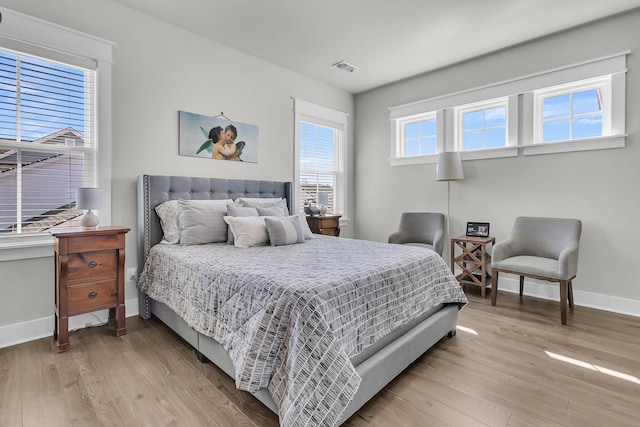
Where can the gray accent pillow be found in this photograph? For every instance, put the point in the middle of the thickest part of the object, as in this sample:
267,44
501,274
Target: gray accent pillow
239,210
202,222
284,231
270,211
266,203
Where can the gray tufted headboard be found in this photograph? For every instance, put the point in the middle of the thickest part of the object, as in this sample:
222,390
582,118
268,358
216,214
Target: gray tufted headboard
155,189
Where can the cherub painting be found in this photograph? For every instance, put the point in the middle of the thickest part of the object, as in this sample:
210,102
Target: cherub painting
217,138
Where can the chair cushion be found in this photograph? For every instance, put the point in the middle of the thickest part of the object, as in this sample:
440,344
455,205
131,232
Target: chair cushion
531,265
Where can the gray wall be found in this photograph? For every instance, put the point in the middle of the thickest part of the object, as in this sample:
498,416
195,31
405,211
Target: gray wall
158,70
599,187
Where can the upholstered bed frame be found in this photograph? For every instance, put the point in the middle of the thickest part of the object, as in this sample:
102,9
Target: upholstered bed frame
376,369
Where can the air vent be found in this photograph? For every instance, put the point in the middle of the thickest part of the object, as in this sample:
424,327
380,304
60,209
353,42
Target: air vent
345,66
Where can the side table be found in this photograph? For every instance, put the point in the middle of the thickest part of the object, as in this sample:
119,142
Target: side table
473,261
328,225
89,276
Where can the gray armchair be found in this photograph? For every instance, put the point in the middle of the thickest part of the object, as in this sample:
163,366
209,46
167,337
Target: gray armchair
420,229
540,248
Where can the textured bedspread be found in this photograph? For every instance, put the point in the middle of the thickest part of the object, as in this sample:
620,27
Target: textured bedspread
292,316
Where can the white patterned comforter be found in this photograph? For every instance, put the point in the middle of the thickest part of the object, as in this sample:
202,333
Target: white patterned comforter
292,316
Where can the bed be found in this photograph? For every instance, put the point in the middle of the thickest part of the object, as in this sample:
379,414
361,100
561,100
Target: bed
311,342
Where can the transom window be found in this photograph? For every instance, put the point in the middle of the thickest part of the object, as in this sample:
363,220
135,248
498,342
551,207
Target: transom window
419,136
482,125
573,111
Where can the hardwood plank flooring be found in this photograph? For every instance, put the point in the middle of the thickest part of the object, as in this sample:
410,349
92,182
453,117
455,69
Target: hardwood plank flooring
510,365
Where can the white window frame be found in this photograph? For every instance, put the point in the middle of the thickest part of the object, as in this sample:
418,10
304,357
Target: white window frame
520,92
510,103
323,116
402,124
36,37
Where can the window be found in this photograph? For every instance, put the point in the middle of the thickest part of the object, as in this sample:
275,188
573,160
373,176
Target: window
320,160
482,125
55,132
46,141
419,135
573,111
573,108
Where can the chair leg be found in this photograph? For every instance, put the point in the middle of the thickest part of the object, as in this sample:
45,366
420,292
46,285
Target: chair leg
563,301
494,286
521,285
570,294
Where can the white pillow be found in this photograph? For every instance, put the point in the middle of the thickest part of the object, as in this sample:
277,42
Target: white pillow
169,214
236,209
306,230
202,222
248,231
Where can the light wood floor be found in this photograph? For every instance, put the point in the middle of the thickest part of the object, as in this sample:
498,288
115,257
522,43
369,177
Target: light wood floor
510,365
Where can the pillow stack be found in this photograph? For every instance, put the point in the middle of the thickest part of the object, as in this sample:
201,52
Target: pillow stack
245,222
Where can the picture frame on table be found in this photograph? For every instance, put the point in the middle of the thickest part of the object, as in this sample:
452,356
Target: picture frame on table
478,229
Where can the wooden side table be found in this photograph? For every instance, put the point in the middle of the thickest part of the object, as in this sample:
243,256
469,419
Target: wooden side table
473,261
89,276
328,225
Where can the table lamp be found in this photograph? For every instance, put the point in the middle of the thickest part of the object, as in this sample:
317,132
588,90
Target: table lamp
323,201
89,198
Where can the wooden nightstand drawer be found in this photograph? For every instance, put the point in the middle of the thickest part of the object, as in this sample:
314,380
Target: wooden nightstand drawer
95,243
93,265
92,296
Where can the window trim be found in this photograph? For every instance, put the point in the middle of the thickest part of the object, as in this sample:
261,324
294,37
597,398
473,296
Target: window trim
34,36
520,92
323,116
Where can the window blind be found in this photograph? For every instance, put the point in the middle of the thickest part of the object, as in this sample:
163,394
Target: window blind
320,163
47,142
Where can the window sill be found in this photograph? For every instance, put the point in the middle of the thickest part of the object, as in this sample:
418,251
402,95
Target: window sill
413,160
25,247
600,143
489,153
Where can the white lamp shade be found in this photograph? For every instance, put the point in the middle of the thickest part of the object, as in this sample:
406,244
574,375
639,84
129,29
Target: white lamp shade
449,167
323,198
88,198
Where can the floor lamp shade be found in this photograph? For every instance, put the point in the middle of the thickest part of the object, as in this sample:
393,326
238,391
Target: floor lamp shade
449,167
89,198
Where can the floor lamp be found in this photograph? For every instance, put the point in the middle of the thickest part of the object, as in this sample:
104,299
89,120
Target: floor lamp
449,168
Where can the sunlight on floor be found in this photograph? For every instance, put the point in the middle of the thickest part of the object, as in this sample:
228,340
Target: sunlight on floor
467,330
592,367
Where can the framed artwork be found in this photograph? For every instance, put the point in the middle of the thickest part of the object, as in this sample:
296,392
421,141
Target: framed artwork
218,138
478,229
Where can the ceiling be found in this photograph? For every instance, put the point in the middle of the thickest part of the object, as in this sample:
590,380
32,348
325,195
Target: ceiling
387,40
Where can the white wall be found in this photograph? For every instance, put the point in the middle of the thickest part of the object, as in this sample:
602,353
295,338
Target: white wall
598,187
158,70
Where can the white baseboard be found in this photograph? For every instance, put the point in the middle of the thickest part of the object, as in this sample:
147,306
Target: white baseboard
550,291
19,333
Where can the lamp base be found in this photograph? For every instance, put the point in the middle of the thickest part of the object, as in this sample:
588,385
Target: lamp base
90,221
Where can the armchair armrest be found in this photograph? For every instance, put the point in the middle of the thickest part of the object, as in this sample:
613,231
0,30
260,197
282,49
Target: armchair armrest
438,242
396,238
503,250
568,260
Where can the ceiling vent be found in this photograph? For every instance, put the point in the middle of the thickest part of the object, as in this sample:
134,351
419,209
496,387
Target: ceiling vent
345,66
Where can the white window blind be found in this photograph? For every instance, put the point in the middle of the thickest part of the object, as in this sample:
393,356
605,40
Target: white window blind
47,141
320,163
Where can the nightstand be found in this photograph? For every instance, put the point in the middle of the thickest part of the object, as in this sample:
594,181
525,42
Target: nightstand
473,260
89,276
328,225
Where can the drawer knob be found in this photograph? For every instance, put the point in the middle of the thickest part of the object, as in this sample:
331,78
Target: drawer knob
92,294
92,264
